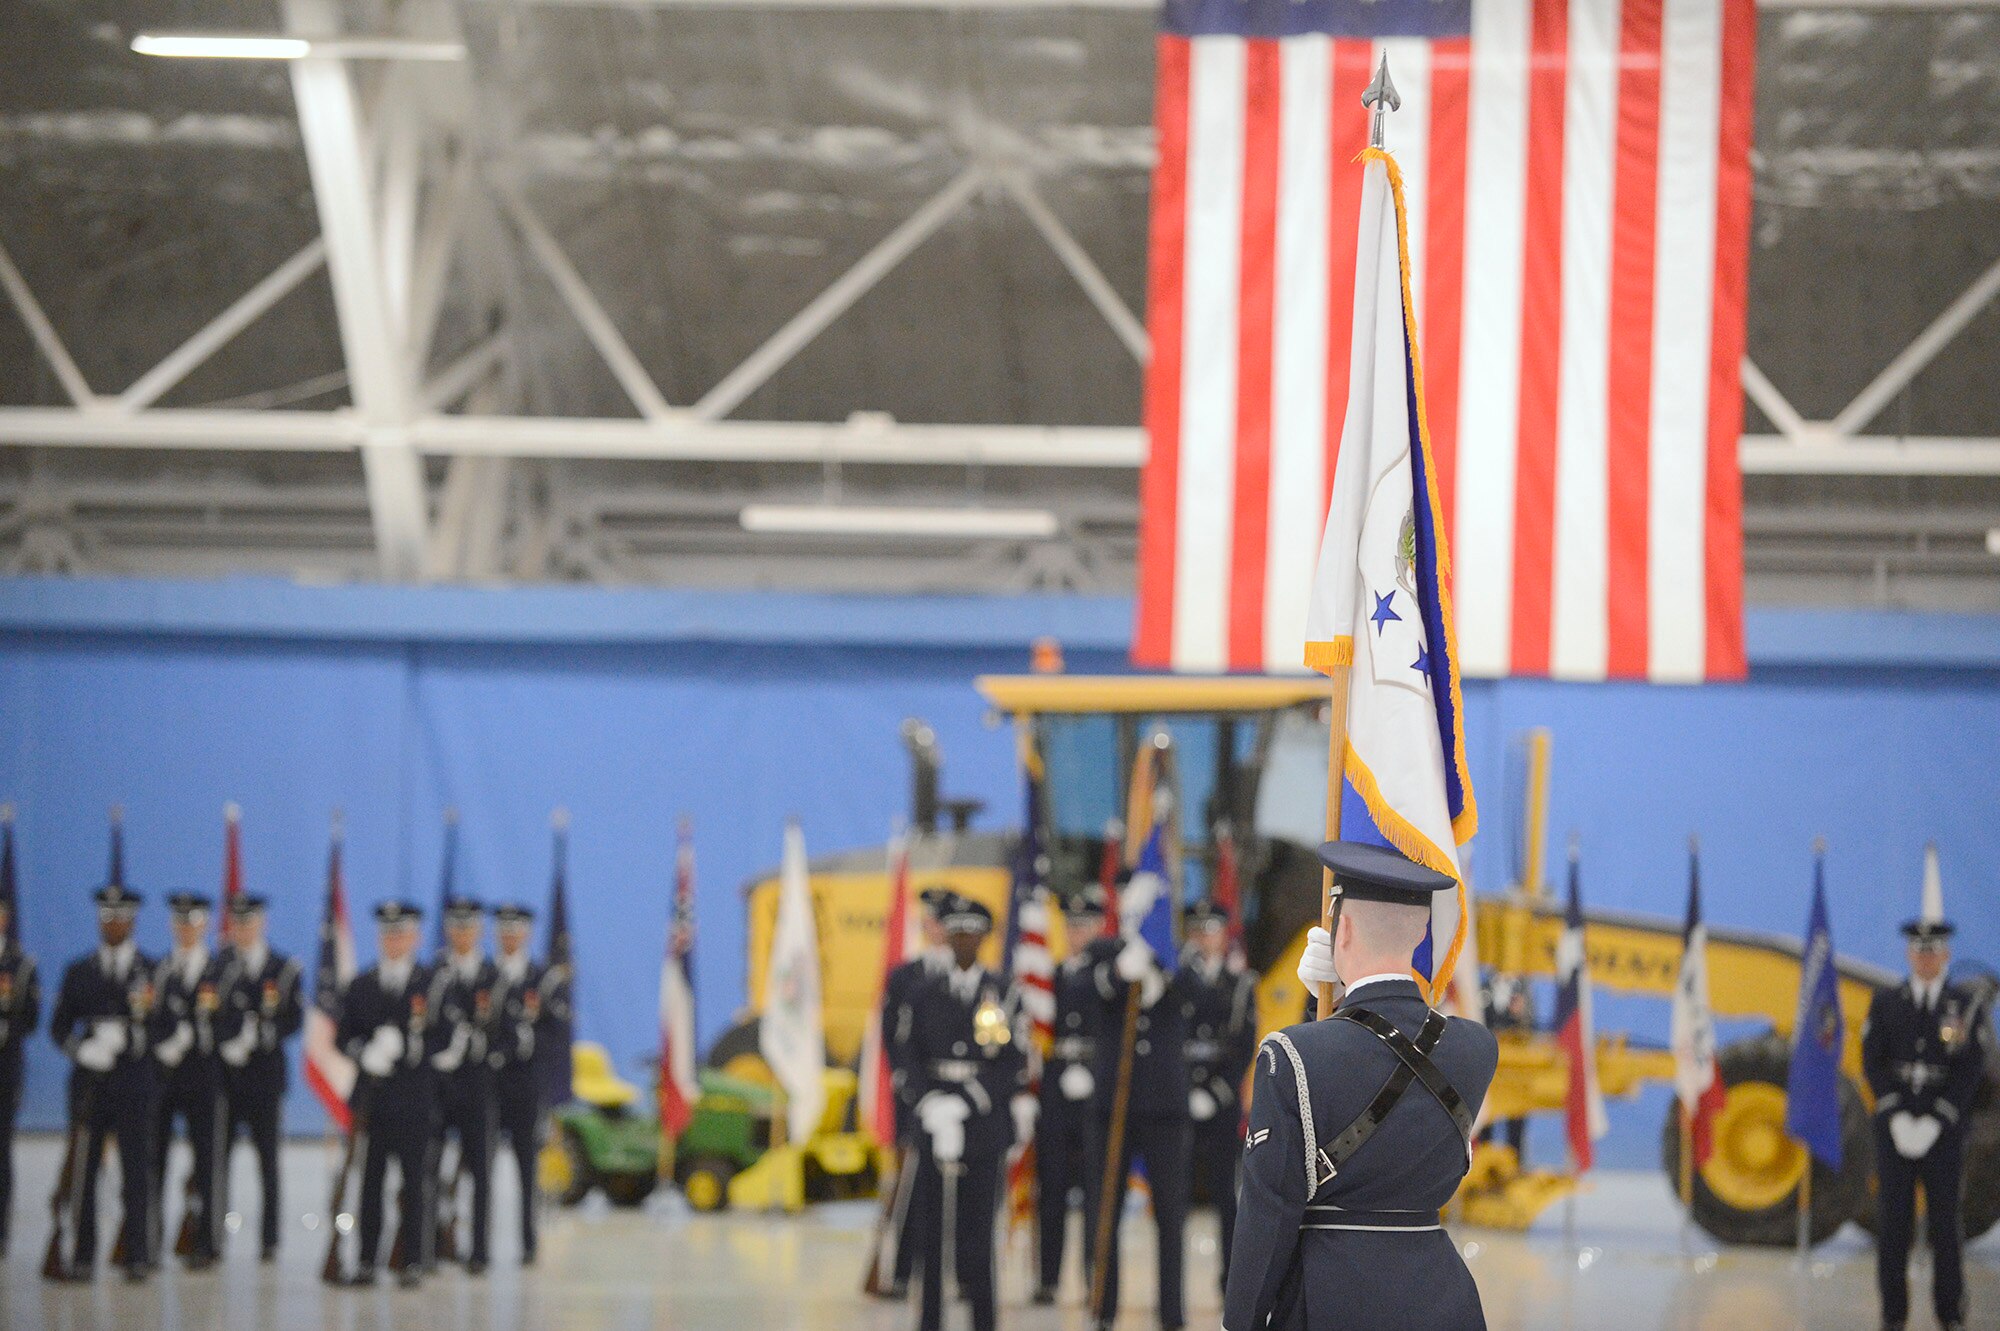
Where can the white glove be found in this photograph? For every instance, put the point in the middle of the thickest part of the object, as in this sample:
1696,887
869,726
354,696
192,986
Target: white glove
1201,1104
1914,1136
940,1108
1316,962
948,1143
236,1050
100,1049
524,1041
448,1058
1135,961
379,1055
174,1048
1026,1110
1076,1083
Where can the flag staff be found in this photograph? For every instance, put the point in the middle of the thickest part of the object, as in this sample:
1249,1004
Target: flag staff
1381,97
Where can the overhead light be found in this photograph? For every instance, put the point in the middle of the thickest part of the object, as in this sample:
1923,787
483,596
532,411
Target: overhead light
969,524
270,46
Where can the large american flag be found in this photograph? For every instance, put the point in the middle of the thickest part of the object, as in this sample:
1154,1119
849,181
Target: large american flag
1579,188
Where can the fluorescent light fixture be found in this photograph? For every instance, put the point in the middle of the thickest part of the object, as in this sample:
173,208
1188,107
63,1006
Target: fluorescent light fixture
1993,541
966,524
271,46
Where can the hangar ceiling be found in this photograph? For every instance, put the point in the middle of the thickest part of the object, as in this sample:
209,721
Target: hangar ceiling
640,217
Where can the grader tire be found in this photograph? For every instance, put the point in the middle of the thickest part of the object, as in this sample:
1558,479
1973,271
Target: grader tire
1748,1191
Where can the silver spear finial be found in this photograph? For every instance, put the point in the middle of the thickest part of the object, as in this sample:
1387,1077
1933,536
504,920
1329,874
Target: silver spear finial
1381,96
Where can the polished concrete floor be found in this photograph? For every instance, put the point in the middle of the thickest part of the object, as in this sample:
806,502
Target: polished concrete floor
1628,1265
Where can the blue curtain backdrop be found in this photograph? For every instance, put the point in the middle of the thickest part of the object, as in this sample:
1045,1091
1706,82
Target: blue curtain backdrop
630,708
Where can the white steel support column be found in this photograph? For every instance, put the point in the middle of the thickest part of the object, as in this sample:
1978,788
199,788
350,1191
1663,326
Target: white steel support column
378,370
1081,266
43,332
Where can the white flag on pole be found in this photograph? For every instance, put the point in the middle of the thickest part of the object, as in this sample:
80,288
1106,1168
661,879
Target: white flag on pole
791,1035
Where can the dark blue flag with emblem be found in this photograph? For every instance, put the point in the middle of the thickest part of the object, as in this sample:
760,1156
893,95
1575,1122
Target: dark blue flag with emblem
9,890
116,872
447,880
1812,1089
552,1070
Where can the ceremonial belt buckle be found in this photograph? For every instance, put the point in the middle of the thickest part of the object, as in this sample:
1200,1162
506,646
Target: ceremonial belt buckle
1202,1051
1074,1049
959,1070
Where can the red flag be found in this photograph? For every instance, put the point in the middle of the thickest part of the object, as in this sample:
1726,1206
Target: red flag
1584,1107
329,1072
878,1093
1107,874
232,863
1228,894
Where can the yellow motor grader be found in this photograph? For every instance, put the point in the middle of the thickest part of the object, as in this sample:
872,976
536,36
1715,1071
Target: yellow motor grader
1250,754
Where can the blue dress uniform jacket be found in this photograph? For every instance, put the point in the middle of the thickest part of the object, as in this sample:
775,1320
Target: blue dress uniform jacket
191,1007
265,1000
1928,1062
898,988
397,1111
1222,1039
117,1102
519,1017
1362,1250
20,1013
1065,1130
945,1057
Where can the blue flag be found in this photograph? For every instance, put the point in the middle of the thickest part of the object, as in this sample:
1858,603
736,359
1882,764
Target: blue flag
10,894
1812,1089
1157,926
552,1050
447,880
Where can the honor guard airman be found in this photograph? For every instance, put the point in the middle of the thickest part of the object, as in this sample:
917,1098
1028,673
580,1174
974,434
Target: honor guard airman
106,1019
20,1013
520,1011
261,994
1924,1052
1222,1039
1156,1127
897,988
1064,1150
465,1079
966,1082
389,1027
193,1025
1360,1129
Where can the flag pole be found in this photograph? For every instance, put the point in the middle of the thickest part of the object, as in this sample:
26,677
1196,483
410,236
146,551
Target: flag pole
1381,98
1805,1211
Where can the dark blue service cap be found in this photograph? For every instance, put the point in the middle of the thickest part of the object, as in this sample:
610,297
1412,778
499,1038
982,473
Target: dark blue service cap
398,912
117,897
513,912
459,910
1205,915
1086,900
249,903
1368,872
1928,931
966,916
936,900
189,903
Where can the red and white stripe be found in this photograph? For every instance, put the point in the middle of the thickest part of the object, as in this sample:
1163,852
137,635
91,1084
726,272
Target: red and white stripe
1581,359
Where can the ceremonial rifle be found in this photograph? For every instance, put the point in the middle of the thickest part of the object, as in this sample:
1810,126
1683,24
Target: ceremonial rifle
889,1227
66,1202
333,1271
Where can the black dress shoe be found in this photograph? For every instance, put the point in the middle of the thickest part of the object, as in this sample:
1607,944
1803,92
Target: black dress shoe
269,1254
363,1277
197,1261
136,1273
1044,1296
476,1267
410,1276
528,1257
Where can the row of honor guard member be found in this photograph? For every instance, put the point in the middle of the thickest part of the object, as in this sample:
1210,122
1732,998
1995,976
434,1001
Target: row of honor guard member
261,998
389,1026
20,1013
1360,1129
526,995
106,1021
1065,1150
898,987
966,1067
1924,1053
1222,1039
1157,1125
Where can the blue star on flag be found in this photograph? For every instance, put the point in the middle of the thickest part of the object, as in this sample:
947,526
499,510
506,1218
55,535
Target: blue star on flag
1422,665
1383,614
